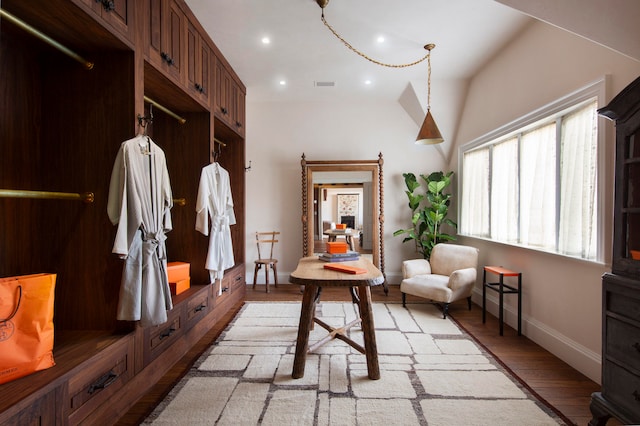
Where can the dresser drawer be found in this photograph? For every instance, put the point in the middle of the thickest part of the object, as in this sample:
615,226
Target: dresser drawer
198,307
621,299
99,378
623,343
622,388
159,337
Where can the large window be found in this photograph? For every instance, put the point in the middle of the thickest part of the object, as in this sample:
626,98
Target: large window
534,182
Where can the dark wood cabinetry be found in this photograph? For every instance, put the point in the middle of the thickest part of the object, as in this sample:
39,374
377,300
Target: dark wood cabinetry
117,15
60,132
620,396
229,105
165,37
198,65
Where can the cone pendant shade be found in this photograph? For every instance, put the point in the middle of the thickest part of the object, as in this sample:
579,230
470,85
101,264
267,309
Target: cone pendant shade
429,133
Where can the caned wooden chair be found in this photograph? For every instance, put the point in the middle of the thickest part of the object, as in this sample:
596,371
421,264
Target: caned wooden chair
266,241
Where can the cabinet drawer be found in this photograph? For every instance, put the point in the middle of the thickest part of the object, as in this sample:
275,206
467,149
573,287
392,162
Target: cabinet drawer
621,298
157,338
623,343
99,378
198,307
622,388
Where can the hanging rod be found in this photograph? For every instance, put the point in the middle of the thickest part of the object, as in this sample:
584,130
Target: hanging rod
216,140
180,202
181,120
86,197
88,65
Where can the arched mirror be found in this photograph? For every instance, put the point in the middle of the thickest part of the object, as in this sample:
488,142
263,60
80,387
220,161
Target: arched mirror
343,192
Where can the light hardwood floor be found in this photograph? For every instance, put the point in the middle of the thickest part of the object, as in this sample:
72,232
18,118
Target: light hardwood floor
554,380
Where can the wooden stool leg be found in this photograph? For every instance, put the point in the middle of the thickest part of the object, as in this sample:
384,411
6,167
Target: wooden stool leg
255,275
304,328
266,276
275,275
370,348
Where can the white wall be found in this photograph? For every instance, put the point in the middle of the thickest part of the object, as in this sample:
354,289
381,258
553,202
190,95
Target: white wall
562,296
278,134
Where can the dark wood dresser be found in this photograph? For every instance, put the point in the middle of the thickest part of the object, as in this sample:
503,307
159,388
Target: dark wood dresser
620,395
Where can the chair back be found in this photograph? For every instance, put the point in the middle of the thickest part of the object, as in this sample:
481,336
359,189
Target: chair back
446,258
266,239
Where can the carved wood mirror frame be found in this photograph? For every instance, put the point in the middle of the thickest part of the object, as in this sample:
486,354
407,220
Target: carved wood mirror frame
377,199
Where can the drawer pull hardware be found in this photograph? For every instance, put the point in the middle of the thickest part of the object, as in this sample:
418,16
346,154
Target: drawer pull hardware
636,346
224,110
167,333
103,382
107,5
225,289
199,308
168,59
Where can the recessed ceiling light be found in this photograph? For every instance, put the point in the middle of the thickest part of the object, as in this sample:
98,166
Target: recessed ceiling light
367,82
380,39
266,40
283,83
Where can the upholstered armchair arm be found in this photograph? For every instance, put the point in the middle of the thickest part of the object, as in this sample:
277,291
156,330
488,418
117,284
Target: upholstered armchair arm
462,278
413,267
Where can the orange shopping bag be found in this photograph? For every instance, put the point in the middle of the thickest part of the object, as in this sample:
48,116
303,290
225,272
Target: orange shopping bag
26,325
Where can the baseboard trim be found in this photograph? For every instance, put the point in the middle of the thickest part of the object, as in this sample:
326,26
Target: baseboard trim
576,355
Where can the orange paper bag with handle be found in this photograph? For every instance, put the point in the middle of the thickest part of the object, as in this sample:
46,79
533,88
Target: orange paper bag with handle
26,325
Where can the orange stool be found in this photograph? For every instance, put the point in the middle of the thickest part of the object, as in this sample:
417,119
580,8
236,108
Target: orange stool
501,288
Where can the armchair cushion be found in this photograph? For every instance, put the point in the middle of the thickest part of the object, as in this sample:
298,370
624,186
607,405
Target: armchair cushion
413,267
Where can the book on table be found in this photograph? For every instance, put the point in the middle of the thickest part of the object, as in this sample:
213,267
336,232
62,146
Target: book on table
339,257
347,269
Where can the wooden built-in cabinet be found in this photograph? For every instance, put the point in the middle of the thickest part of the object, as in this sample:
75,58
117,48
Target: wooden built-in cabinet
229,105
165,36
60,131
198,65
620,394
117,15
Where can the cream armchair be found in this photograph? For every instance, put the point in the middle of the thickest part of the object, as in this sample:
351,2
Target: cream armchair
449,275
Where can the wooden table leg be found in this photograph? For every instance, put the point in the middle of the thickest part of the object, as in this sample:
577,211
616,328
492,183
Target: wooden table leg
304,328
368,329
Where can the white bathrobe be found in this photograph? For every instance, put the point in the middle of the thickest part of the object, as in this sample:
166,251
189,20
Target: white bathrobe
215,203
139,203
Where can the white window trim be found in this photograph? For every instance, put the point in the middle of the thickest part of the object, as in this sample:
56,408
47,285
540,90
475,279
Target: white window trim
597,89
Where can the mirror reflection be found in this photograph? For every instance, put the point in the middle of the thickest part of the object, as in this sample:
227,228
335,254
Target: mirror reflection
342,200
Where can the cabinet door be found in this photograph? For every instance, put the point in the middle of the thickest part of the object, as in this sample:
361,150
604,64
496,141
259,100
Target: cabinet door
164,37
222,92
42,412
239,110
115,14
198,65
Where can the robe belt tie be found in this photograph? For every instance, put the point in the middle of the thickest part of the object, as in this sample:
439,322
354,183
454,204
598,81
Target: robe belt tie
155,241
219,222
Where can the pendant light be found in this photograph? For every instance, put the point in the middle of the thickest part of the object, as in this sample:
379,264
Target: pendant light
429,133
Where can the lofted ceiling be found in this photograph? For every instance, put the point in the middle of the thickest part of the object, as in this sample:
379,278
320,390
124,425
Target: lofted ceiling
315,65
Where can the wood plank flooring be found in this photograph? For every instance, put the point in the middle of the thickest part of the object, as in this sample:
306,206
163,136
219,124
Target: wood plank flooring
552,379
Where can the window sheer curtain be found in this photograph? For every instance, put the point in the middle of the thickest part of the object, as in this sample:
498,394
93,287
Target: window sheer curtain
474,218
578,176
538,188
504,191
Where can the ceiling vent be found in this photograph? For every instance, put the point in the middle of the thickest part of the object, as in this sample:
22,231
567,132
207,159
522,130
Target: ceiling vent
324,83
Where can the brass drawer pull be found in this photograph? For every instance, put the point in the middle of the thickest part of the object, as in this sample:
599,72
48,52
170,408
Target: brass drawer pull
103,382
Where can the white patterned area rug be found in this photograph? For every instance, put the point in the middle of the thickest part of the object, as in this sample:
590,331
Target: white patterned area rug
432,373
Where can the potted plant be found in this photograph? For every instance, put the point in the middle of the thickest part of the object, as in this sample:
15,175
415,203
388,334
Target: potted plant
428,211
